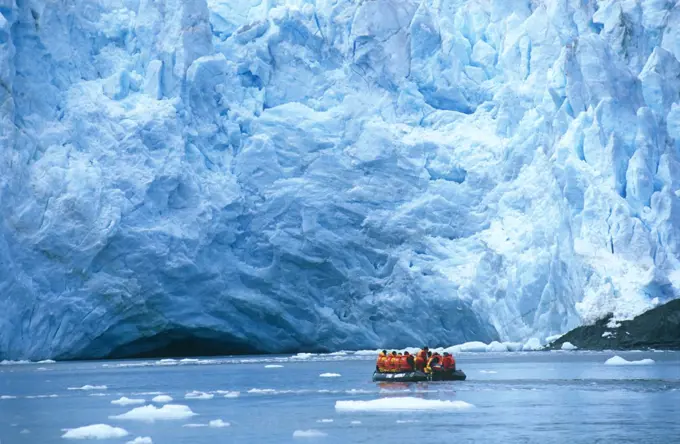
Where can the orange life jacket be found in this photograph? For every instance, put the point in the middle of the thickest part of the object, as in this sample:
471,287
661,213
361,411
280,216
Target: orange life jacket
393,363
404,366
448,362
421,360
380,363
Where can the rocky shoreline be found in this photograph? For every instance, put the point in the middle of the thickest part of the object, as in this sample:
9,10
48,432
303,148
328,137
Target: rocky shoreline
658,328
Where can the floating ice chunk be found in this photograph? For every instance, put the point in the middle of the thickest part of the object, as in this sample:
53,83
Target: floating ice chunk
218,424
21,362
167,362
141,440
513,346
308,434
488,371
568,346
330,375
232,394
199,395
97,394
273,366
400,404
42,396
95,431
406,421
162,399
89,387
8,397
617,360
474,346
261,391
355,422
194,425
324,420
532,344
46,361
496,347
127,401
150,413
303,356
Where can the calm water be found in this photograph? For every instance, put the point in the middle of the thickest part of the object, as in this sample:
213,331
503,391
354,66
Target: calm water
542,397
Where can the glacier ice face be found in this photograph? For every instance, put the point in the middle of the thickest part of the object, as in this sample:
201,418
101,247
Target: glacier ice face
316,175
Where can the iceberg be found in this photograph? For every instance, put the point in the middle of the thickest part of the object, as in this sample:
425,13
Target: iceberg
217,176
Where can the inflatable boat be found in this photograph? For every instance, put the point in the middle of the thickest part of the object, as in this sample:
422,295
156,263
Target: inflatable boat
417,376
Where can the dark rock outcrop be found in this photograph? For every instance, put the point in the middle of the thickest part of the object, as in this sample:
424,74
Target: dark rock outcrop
658,328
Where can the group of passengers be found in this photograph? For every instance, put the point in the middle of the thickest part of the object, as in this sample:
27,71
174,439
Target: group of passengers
424,361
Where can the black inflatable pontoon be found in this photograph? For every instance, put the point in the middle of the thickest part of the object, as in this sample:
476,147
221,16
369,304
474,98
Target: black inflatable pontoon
417,376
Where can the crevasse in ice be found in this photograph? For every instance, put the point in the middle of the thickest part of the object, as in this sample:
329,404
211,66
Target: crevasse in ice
278,175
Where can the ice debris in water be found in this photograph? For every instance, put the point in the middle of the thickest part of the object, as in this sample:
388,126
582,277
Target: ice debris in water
618,360
308,434
89,387
273,366
330,375
150,413
199,395
401,404
8,397
568,346
324,420
488,371
215,423
127,401
161,399
232,394
355,422
141,440
95,431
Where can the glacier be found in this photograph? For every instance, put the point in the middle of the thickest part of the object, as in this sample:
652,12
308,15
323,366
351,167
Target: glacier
297,175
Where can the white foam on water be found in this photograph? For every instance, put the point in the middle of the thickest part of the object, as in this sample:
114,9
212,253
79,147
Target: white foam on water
141,440
89,387
273,366
309,434
127,401
95,431
8,397
400,404
618,360
324,420
150,413
218,424
162,399
330,375
199,395
490,372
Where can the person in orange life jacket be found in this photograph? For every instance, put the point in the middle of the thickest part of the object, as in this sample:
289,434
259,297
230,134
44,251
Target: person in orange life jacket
421,359
393,362
380,363
407,362
448,362
433,364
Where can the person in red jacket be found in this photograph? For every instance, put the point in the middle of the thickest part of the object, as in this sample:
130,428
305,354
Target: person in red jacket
448,362
408,362
421,359
393,362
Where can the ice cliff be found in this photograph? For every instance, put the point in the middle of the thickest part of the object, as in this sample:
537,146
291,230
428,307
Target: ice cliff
278,175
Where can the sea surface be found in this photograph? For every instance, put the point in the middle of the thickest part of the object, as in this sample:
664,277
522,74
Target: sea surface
521,397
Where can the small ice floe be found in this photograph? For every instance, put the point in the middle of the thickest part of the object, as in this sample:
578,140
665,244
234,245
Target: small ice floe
618,360
568,346
324,420
141,440
127,401
406,421
89,387
41,396
273,366
330,375
8,397
489,372
308,434
215,424
232,394
20,362
199,395
150,413
400,404
95,431
355,422
303,356
47,361
162,399
97,394
262,391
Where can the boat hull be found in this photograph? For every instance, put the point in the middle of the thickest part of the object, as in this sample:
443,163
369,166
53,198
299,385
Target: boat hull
417,376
